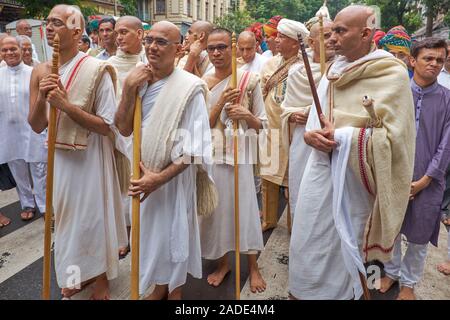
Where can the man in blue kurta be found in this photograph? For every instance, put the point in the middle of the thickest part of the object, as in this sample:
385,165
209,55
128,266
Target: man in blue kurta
422,220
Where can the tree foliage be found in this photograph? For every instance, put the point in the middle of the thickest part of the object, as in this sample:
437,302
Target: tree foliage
299,10
129,7
235,21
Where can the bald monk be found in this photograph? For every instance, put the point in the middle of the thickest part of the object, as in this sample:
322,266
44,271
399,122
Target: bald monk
23,28
89,222
130,35
197,61
250,60
296,106
353,206
175,133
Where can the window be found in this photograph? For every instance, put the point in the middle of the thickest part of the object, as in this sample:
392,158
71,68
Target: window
199,13
189,12
206,11
160,6
214,12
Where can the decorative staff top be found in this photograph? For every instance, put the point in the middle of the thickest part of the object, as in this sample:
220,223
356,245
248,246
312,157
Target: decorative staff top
233,62
55,56
323,11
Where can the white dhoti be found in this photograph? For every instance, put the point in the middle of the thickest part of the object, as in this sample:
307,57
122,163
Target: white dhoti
89,223
217,231
317,264
298,156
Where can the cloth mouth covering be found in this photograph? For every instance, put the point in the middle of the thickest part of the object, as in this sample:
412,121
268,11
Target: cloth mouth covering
397,39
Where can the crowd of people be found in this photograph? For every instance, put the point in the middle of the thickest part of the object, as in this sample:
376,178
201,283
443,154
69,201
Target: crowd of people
360,177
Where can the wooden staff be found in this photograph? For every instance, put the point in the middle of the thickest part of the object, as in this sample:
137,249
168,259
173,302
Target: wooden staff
136,201
49,190
236,173
312,84
322,45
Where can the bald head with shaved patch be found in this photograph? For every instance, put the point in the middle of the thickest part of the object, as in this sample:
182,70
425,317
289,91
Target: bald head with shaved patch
68,22
131,22
353,30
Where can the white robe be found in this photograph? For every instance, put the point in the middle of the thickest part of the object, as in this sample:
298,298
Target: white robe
217,231
326,241
170,238
256,65
20,142
89,223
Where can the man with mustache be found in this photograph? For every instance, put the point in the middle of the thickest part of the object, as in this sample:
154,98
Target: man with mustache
423,216
175,136
89,174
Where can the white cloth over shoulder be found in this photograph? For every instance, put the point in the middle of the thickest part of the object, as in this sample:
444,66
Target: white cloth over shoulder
170,239
90,225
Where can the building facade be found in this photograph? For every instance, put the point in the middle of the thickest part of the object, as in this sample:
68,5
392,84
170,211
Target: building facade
182,12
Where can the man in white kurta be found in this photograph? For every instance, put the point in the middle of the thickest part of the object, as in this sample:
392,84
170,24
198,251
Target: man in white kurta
174,127
218,230
89,223
23,149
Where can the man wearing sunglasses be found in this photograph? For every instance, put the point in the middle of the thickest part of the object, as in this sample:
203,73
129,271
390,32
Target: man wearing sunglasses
226,105
175,136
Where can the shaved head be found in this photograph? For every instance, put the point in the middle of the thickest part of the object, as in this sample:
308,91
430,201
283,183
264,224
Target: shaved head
130,22
315,29
358,16
171,31
247,36
202,26
353,30
73,15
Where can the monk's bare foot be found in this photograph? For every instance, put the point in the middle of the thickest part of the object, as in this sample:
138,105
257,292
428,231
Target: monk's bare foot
216,278
69,292
4,221
266,226
444,268
175,294
101,289
386,284
257,283
160,292
123,252
406,293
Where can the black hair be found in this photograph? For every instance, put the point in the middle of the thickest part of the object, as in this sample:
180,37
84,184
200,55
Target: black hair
85,39
428,43
107,20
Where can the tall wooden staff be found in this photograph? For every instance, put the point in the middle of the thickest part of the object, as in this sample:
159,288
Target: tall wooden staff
135,202
49,191
322,44
312,84
319,112
236,173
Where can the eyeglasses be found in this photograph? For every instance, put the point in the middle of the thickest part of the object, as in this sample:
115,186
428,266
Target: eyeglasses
160,42
219,47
